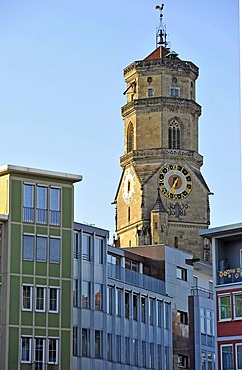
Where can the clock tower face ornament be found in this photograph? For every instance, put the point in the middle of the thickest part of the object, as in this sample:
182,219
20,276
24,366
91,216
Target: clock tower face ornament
175,181
128,185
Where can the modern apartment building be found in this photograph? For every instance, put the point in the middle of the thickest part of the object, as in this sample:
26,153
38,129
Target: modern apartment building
36,238
227,272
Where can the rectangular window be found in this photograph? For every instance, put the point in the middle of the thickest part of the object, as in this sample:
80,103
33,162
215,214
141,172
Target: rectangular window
203,320
131,265
27,298
150,92
183,361
99,250
224,307
41,210
118,302
143,308
54,215
110,290
39,353
28,247
86,342
54,249
159,313
239,356
86,247
127,350
174,92
40,293
75,292
238,305
109,347
182,317
53,351
226,357
181,273
28,203
85,294
98,294
76,246
41,248
54,300
135,307
26,345
159,356
210,322
75,341
98,344
167,316
118,348
135,352
143,354
152,356
151,311
127,304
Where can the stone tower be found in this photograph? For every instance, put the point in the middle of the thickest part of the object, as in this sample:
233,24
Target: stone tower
162,196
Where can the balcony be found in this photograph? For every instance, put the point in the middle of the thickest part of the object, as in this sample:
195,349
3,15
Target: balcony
229,276
202,292
135,278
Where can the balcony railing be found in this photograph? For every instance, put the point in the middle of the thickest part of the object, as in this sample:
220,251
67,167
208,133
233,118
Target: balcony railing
228,276
202,292
135,278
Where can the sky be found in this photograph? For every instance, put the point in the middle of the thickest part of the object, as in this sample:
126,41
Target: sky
61,91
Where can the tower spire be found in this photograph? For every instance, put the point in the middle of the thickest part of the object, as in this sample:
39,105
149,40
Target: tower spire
161,34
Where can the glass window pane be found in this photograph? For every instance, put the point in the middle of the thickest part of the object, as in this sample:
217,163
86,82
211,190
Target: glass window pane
239,356
85,342
28,203
53,351
54,206
54,250
98,344
86,247
98,296
227,357
85,294
40,299
25,349
99,250
28,247
53,299
41,214
238,305
41,248
224,307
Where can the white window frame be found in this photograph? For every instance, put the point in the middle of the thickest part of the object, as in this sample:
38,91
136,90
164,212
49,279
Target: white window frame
184,359
221,357
58,208
174,88
57,350
57,299
31,297
33,236
236,356
219,307
44,298
42,209
44,349
56,260
30,349
234,305
36,241
33,201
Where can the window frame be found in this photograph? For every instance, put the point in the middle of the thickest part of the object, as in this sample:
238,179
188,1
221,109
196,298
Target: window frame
57,258
183,275
184,361
44,298
30,349
30,207
219,307
98,304
85,353
57,299
38,237
30,297
236,351
55,209
24,246
234,305
56,339
38,219
43,349
174,92
221,354
87,284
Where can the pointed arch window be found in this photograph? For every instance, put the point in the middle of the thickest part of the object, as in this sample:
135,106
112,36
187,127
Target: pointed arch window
130,137
174,135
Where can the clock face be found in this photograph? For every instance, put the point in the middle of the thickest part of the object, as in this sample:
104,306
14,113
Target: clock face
175,181
128,185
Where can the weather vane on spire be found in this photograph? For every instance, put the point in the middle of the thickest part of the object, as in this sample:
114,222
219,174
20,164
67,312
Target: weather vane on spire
161,34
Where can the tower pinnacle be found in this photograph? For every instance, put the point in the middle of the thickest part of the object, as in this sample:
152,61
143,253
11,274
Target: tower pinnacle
161,34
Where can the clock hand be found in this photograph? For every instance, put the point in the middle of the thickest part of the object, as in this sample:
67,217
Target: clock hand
174,186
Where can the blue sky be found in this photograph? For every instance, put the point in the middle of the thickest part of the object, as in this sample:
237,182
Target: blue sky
61,85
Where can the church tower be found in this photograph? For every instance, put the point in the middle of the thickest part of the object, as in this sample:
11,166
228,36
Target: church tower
162,196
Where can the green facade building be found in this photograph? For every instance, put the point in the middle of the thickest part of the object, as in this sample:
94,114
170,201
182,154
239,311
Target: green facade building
36,238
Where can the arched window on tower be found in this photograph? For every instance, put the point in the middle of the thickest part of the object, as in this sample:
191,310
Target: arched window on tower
130,137
174,135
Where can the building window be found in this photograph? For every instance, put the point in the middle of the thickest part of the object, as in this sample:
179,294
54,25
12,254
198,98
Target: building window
224,307
39,353
53,351
28,247
159,356
174,135
174,91
28,203
135,307
76,246
152,356
167,316
181,273
75,292
143,308
54,300
75,341
159,313
41,248
131,265
127,350
143,354
127,304
86,247
41,210
227,357
238,305
118,302
99,250
151,311
210,322
239,356
150,92
130,137
26,346
110,291
86,342
54,217
40,293
85,294
135,352
110,347
203,320
118,348
27,297
98,344
183,361
54,250
98,295
182,317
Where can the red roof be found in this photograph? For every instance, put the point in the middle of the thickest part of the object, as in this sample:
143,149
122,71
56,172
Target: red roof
158,53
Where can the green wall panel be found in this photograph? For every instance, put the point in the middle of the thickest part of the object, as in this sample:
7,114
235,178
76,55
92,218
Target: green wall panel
53,333
27,331
65,349
26,318
53,320
28,268
16,206
54,282
66,304
14,300
28,280
15,248
40,319
40,333
55,232
41,268
67,209
67,251
28,229
41,230
40,281
54,269
13,348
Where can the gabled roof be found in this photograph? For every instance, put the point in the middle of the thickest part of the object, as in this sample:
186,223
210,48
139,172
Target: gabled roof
158,53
